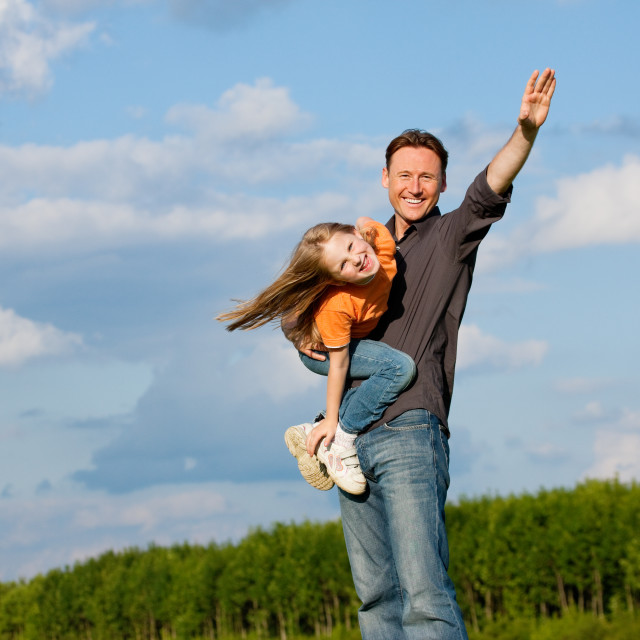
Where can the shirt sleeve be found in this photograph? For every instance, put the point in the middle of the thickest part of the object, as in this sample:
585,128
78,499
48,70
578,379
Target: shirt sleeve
463,229
334,322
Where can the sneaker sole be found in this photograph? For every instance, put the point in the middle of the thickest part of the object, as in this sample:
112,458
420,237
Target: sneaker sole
312,470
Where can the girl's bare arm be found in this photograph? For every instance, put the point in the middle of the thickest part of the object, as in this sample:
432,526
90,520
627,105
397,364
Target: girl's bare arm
338,368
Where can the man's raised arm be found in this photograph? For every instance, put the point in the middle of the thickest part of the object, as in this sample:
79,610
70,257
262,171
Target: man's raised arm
533,112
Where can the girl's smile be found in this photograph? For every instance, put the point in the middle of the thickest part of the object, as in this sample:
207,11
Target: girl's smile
351,259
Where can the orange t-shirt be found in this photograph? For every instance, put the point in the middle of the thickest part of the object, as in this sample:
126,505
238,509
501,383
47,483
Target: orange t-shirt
352,310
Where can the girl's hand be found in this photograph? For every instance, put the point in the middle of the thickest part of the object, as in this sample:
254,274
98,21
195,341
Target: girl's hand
363,222
323,430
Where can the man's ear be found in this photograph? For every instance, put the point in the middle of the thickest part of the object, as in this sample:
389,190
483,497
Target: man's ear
443,186
385,177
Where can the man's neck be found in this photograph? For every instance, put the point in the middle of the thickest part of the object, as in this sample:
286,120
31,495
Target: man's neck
401,227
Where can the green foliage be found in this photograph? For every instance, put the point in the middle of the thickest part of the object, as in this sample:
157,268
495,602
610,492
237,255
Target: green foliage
562,564
543,556
571,626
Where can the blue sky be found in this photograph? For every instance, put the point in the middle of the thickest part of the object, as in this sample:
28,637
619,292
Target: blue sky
160,158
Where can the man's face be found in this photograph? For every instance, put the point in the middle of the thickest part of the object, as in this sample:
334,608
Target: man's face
415,181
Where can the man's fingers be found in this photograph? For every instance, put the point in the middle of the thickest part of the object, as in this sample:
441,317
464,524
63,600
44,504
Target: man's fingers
531,83
547,79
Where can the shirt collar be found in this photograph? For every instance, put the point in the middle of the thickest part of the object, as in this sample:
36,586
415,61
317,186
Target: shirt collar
420,226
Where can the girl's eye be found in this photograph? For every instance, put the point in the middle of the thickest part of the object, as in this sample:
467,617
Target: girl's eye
342,266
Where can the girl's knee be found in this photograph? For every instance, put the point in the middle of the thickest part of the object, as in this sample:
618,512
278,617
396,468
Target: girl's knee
407,369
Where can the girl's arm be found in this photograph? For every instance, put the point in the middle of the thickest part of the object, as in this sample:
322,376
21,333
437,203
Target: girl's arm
338,368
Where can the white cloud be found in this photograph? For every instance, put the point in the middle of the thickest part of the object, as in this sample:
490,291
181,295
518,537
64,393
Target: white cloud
582,385
592,412
592,209
191,185
596,208
22,339
546,452
244,112
29,41
83,225
477,349
131,164
170,169
617,450
273,367
191,504
62,526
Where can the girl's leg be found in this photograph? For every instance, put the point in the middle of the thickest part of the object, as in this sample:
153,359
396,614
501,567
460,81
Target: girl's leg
385,372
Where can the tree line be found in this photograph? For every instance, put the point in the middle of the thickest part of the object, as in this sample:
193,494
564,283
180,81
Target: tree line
556,553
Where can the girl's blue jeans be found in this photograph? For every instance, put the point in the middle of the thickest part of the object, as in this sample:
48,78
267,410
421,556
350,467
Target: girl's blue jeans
385,373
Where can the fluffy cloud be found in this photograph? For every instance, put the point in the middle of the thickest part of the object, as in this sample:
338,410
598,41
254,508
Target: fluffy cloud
616,450
84,225
61,527
592,412
193,185
582,385
596,208
219,399
477,349
244,113
29,42
272,368
22,339
592,209
546,452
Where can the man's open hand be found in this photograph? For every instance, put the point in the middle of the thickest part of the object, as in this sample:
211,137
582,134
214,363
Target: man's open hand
536,99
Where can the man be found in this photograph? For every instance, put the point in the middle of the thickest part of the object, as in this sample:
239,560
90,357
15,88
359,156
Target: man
395,532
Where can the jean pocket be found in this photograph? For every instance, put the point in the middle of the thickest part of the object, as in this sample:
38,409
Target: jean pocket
407,426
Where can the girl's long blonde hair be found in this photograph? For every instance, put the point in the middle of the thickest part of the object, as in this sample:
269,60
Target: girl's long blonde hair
296,293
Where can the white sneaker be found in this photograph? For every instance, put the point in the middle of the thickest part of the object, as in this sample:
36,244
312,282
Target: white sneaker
343,466
312,470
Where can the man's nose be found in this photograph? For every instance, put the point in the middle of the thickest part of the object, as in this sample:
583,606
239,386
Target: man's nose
415,186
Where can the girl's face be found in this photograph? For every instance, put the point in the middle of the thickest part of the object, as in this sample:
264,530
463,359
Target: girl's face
350,259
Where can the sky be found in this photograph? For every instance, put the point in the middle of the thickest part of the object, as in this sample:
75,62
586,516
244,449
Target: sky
160,158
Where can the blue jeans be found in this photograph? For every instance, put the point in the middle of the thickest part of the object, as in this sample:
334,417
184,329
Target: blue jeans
386,373
395,533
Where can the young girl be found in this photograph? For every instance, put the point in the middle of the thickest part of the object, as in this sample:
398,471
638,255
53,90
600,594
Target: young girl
333,293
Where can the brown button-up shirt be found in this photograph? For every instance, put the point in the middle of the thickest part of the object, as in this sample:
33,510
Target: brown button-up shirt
435,260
